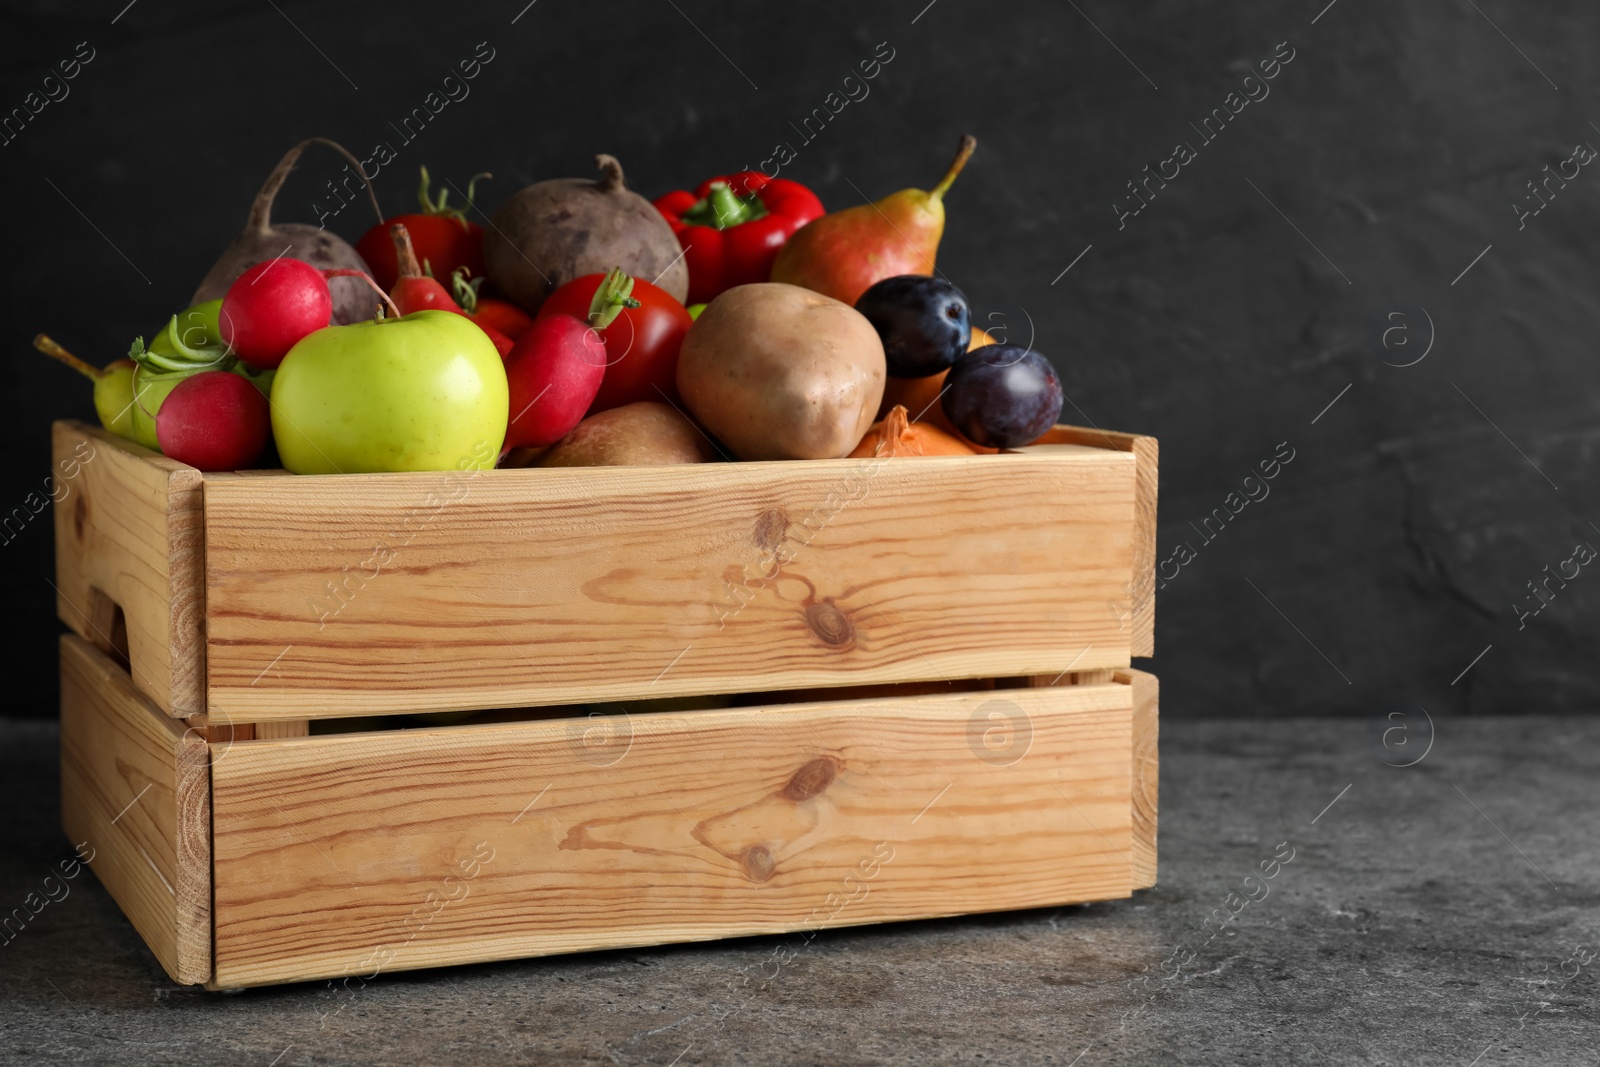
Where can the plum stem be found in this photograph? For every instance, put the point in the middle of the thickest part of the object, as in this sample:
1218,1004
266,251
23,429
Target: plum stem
44,344
346,272
963,153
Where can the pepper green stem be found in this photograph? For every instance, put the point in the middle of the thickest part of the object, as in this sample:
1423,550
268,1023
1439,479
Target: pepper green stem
963,153
723,209
614,294
44,344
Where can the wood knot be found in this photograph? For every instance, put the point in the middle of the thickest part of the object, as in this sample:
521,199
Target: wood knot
80,516
772,526
830,624
811,779
758,863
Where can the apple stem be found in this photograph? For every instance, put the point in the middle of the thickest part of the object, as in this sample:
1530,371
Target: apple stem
346,272
963,153
44,344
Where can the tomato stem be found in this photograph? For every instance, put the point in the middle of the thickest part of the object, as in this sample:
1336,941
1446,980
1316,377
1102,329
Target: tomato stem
614,294
441,206
465,289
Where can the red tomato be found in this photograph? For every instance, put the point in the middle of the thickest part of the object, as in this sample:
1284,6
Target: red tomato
442,243
641,345
501,315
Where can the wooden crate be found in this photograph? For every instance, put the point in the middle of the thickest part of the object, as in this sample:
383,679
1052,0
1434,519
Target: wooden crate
249,849
265,596
348,854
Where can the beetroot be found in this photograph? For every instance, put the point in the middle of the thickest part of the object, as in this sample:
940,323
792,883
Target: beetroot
262,239
215,421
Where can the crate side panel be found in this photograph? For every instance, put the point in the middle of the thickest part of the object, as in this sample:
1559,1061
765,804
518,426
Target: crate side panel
128,530
1146,775
135,795
1138,601
359,853
373,594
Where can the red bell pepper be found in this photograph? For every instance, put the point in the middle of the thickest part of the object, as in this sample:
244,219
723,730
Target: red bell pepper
732,227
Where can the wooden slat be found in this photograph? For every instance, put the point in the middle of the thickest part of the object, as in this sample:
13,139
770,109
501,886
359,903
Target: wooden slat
525,587
135,787
1146,774
283,728
1139,597
339,855
129,533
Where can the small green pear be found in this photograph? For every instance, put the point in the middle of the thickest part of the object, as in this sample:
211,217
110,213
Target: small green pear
113,386
113,397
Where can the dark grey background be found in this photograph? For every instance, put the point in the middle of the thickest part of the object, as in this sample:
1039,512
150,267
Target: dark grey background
1223,319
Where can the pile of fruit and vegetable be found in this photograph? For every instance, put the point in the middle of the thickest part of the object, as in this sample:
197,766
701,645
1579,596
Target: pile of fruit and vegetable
559,335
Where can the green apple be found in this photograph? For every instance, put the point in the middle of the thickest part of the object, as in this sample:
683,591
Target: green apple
424,392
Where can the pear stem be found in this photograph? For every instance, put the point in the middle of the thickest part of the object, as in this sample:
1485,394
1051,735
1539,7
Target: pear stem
44,344
963,153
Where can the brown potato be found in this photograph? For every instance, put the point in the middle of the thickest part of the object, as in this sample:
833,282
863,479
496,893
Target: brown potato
644,434
780,372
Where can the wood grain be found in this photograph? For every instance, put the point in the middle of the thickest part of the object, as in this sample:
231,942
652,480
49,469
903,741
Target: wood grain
1146,774
349,854
135,788
129,533
1139,597
373,594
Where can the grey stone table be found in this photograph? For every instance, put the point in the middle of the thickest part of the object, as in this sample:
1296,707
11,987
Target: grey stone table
1443,913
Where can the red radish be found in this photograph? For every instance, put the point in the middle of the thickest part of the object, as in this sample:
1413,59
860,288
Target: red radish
556,367
270,307
214,420
415,291
412,289
641,346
